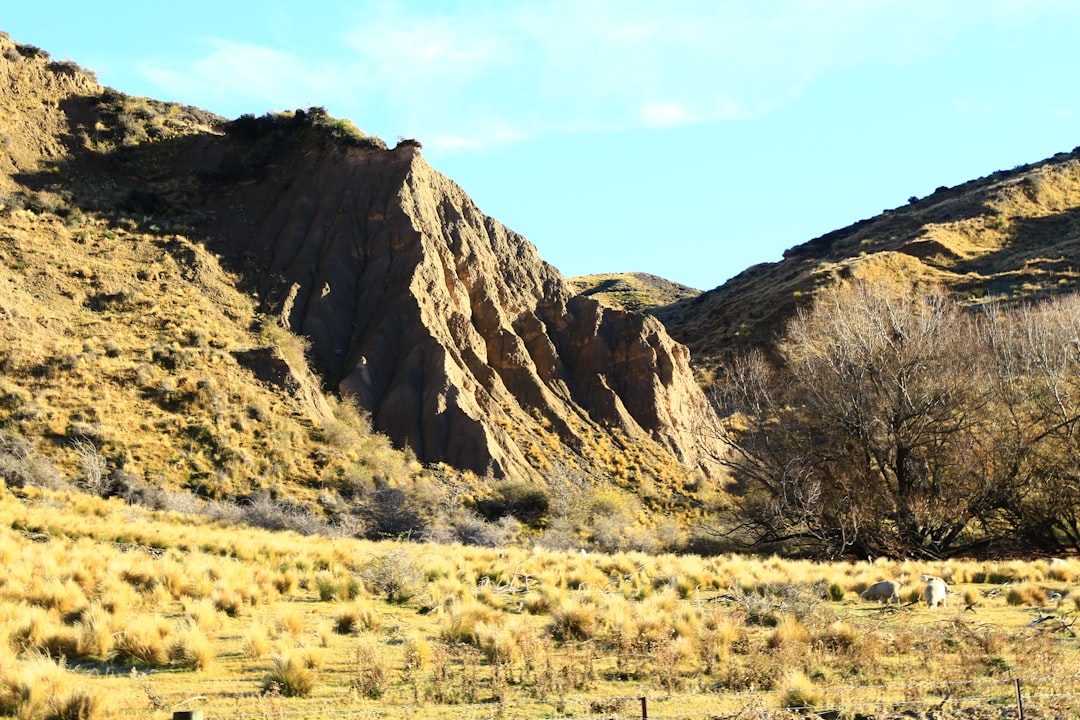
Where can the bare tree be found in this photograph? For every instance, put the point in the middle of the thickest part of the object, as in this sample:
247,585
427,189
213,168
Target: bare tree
1036,355
860,439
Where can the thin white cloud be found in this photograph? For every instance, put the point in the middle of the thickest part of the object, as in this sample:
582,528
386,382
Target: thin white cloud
665,114
481,73
232,73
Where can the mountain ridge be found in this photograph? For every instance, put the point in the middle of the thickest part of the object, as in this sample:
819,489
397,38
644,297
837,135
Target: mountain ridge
1009,236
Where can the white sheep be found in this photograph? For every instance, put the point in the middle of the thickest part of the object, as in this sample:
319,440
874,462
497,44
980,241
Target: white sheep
936,591
886,590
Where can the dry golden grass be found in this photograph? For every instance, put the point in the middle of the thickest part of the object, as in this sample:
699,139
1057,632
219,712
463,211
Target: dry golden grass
638,292
484,624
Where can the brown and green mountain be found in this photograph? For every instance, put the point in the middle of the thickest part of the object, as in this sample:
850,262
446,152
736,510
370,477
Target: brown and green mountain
1013,235
204,300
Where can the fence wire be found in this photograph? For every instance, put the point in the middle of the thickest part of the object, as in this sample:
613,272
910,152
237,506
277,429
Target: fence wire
1005,697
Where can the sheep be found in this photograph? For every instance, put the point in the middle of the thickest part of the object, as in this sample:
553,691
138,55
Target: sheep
886,590
936,591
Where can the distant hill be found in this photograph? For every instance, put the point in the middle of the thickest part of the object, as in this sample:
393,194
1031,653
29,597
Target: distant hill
1012,236
638,292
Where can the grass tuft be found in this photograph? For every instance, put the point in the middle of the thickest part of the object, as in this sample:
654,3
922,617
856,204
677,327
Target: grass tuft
289,676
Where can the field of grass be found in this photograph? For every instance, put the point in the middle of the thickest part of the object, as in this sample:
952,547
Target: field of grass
109,609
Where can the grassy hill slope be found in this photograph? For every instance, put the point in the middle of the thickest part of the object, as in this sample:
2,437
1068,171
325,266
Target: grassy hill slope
639,292
1011,236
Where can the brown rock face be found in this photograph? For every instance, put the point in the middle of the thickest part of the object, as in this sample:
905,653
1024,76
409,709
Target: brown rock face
444,324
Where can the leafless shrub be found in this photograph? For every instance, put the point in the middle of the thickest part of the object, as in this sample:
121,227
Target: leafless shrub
394,574
95,467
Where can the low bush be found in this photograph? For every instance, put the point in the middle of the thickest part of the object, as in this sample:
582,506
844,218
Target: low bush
372,678
290,676
20,467
394,575
519,499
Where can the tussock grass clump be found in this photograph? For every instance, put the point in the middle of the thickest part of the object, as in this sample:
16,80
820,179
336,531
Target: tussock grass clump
1026,594
203,613
1074,598
499,643
290,621
789,632
40,689
255,642
97,627
839,636
573,620
191,649
61,642
800,692
1062,570
332,587
143,577
290,676
461,623
65,597
360,615
719,635
542,601
30,627
142,642
228,600
286,582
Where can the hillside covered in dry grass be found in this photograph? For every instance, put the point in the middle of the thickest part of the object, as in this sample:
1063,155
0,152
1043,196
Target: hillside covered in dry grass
1011,236
639,292
123,337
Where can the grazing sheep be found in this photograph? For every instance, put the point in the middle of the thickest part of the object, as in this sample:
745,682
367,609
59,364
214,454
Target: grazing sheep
936,591
886,590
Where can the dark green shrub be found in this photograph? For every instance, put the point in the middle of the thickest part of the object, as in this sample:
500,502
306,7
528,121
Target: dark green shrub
522,500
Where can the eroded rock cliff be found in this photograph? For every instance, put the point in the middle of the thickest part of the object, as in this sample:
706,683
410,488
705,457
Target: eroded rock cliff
446,325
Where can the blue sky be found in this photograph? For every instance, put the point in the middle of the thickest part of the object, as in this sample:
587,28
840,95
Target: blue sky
686,139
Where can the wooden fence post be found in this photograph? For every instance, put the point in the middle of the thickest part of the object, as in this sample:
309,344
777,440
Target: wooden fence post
1019,700
644,708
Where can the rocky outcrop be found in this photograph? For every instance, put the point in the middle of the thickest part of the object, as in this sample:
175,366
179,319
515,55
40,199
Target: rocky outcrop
444,324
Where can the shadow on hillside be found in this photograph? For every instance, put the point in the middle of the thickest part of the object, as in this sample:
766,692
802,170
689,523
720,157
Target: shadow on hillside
1041,257
147,187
